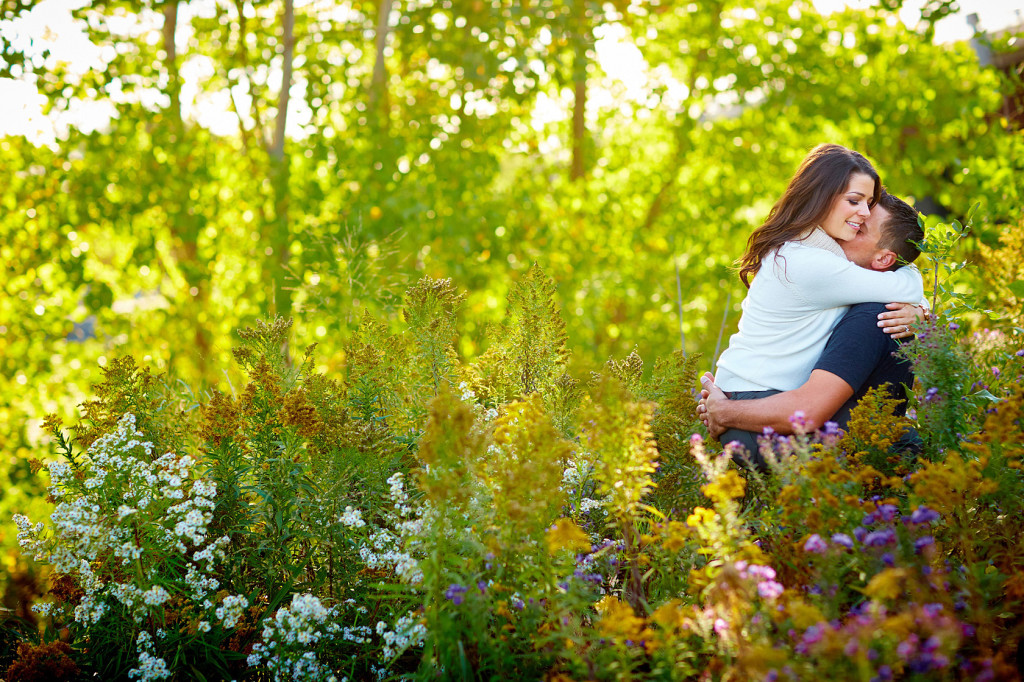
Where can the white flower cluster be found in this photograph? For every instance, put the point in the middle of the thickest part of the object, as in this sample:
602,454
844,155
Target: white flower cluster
393,549
577,479
468,395
231,610
360,634
576,473
409,631
121,506
352,518
151,666
289,640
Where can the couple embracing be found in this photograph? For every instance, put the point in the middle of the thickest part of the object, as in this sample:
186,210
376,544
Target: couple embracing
830,293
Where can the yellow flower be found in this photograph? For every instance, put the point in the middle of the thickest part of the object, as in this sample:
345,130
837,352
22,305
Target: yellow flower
565,534
670,615
619,621
886,585
804,615
728,486
945,486
674,536
699,517
752,553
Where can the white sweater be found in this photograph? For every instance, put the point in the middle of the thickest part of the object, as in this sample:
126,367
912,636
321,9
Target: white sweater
796,299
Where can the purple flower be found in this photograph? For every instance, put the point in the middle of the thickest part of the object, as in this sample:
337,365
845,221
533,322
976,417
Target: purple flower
813,634
880,538
924,515
831,429
769,589
932,610
887,512
482,586
996,372
860,533
867,520
922,542
931,395
888,559
884,673
843,540
1020,353
907,648
953,326
815,545
455,593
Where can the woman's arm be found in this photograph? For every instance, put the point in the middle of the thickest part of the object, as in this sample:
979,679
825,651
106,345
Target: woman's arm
824,280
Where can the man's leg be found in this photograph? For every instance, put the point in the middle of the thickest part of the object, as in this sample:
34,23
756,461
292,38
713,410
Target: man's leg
746,439
866,357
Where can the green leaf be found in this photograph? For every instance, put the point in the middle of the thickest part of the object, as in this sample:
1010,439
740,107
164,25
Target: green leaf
99,296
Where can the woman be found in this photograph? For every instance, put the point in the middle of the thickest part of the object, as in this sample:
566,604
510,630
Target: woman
803,280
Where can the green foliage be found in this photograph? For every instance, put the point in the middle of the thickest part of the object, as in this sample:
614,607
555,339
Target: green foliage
937,249
431,310
945,370
335,525
529,352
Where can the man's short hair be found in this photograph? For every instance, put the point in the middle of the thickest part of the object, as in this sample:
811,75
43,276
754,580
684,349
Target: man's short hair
901,229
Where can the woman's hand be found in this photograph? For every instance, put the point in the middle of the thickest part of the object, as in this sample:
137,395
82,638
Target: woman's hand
897,321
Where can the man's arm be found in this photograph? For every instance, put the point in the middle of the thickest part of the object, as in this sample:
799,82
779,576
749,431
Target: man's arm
819,398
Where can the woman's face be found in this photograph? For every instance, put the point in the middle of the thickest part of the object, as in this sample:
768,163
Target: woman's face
851,209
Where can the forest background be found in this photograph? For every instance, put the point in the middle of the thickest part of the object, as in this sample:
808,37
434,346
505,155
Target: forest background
372,143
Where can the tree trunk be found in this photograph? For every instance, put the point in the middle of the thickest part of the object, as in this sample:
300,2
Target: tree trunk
288,40
171,62
280,239
579,129
379,84
579,81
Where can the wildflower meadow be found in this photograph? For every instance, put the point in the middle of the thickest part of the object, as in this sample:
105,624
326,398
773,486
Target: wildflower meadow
419,517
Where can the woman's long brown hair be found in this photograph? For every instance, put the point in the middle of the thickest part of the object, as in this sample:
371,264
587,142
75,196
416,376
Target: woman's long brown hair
822,178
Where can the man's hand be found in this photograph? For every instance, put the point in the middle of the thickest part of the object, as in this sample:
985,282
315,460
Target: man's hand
711,402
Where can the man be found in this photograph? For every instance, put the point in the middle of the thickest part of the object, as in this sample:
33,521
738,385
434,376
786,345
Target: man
858,356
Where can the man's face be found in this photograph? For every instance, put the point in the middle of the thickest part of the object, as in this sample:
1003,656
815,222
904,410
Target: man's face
864,245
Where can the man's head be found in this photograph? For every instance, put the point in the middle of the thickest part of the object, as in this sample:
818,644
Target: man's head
884,241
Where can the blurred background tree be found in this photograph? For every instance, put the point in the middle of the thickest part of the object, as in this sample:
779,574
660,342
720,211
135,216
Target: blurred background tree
314,158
